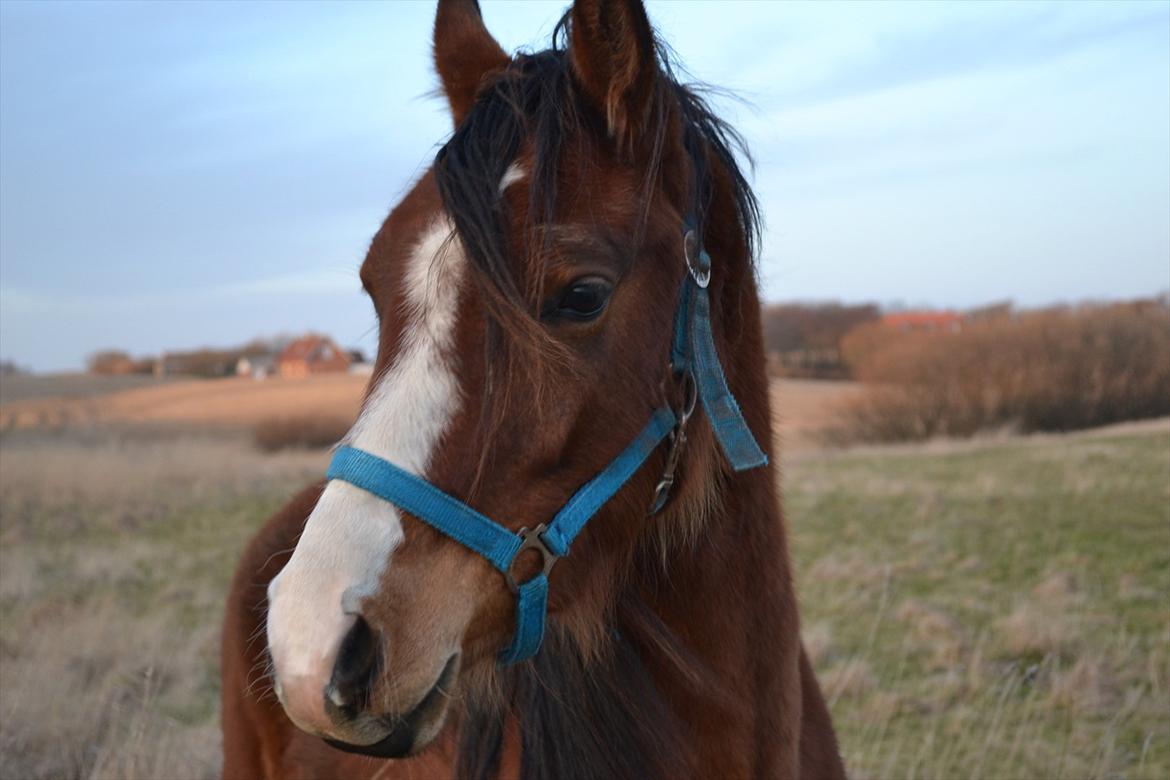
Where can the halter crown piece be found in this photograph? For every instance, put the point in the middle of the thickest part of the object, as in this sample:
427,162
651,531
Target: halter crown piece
693,359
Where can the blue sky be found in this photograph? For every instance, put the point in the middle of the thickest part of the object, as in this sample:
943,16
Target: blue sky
173,175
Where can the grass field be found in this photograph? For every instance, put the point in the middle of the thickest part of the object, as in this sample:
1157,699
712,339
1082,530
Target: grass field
995,609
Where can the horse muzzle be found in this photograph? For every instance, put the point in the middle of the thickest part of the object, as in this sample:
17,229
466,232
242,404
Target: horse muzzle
397,735
349,711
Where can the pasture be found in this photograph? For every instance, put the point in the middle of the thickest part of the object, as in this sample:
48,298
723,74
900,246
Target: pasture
996,608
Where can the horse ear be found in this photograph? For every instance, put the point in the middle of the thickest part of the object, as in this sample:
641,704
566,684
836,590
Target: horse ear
465,52
614,59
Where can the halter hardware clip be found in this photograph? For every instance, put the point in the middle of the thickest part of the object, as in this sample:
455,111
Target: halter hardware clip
678,440
698,261
532,539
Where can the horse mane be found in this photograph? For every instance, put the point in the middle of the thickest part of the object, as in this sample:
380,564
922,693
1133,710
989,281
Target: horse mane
596,714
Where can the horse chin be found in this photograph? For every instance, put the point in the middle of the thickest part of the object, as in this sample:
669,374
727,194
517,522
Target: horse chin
398,736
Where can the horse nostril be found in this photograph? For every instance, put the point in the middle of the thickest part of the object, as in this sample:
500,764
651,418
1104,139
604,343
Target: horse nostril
353,674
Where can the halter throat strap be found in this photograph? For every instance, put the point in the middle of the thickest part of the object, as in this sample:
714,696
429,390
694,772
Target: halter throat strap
693,357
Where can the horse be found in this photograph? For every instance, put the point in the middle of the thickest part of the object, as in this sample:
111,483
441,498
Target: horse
531,289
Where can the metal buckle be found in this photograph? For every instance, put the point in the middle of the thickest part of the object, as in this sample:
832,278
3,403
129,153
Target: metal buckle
698,261
678,440
532,540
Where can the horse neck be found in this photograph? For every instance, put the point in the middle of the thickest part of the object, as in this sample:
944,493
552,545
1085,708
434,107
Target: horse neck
699,680
720,622
723,638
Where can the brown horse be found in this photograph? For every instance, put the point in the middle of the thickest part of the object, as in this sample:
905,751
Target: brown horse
526,288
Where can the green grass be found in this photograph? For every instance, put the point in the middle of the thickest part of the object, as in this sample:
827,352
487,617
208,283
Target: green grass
998,611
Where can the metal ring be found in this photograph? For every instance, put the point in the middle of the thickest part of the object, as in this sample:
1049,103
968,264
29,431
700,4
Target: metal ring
531,540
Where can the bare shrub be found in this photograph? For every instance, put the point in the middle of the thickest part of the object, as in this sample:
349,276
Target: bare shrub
1051,370
301,432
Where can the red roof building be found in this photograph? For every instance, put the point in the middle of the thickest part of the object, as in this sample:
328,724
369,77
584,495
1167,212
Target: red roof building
311,355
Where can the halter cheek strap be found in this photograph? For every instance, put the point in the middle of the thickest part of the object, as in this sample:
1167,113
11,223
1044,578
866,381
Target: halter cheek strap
693,351
693,356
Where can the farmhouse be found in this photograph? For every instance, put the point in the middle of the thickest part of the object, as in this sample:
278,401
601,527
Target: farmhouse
311,354
259,366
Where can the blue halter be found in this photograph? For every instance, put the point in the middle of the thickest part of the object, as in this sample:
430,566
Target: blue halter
693,357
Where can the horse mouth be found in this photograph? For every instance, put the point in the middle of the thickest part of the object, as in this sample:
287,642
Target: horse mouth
408,733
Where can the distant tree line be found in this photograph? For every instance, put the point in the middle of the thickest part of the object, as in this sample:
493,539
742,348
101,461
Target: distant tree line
804,339
838,341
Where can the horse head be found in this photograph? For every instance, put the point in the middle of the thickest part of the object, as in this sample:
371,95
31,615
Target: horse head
527,290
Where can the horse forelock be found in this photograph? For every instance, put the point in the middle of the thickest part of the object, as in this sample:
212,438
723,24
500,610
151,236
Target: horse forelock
534,108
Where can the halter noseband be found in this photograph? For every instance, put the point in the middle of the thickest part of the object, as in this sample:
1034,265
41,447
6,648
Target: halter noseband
693,358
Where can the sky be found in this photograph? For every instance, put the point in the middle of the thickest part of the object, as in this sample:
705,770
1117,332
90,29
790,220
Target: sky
182,174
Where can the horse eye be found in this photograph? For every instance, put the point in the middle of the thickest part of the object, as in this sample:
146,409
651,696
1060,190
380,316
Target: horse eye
583,300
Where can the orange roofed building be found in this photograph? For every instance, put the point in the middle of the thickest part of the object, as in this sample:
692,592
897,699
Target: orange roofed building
311,354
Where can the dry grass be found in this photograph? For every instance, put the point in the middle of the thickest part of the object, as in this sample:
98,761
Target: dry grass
90,692
802,407
115,550
306,432
28,387
234,401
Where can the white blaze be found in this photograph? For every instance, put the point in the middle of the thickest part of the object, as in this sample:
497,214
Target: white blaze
350,535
